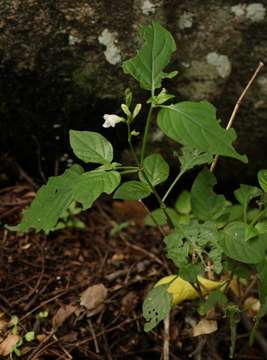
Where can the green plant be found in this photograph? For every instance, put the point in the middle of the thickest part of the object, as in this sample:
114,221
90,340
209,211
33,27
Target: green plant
207,232
28,337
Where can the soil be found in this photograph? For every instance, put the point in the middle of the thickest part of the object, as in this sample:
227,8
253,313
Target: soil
48,273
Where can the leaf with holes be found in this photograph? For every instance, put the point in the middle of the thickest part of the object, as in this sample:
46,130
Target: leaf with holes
147,66
91,147
195,124
156,306
51,201
156,169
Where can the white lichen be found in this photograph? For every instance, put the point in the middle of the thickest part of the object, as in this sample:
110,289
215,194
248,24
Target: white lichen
238,10
157,135
185,21
221,63
148,7
112,52
254,12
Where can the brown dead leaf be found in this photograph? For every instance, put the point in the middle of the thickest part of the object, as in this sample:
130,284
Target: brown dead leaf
93,298
205,327
63,313
130,210
7,345
251,306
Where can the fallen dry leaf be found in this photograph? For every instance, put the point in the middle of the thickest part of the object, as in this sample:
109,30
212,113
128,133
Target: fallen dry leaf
205,327
130,210
251,306
7,345
93,298
63,313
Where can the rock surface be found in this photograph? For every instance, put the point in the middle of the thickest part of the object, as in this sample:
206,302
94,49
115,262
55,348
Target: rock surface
60,68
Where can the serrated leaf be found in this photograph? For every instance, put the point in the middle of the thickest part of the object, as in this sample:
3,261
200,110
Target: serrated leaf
91,147
215,255
156,169
147,66
51,201
132,190
206,205
195,124
92,184
156,306
262,178
183,203
192,157
235,246
160,218
176,249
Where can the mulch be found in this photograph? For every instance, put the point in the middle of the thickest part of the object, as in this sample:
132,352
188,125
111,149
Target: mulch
49,272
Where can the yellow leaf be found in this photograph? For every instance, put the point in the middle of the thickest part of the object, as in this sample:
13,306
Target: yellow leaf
182,290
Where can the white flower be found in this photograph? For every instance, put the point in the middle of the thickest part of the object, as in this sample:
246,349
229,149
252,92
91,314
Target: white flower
111,120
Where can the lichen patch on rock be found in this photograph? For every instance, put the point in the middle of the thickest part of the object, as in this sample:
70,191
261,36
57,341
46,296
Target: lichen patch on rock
254,12
148,7
221,63
112,52
185,21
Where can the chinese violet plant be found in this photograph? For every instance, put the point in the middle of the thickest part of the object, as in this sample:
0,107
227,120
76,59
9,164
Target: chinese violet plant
207,233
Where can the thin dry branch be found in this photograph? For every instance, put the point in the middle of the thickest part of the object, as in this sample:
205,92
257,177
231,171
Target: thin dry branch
236,108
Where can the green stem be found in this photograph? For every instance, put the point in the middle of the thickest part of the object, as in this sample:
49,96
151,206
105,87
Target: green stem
128,172
257,218
161,203
144,142
171,186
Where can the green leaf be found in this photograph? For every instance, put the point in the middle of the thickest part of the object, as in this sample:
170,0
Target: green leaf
246,193
195,124
29,336
235,246
183,203
192,157
132,190
262,178
91,147
215,255
51,201
156,306
161,219
215,298
206,205
176,249
156,169
92,184
261,227
161,98
190,272
147,66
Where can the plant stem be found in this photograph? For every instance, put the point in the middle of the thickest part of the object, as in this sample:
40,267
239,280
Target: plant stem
161,203
172,186
131,145
257,218
236,108
144,142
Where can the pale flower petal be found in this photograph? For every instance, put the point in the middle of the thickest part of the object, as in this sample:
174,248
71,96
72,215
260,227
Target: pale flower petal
111,120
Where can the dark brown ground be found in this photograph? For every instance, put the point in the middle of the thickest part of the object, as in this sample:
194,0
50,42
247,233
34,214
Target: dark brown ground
39,273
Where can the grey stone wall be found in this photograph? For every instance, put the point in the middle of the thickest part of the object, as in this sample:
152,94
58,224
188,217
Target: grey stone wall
67,55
